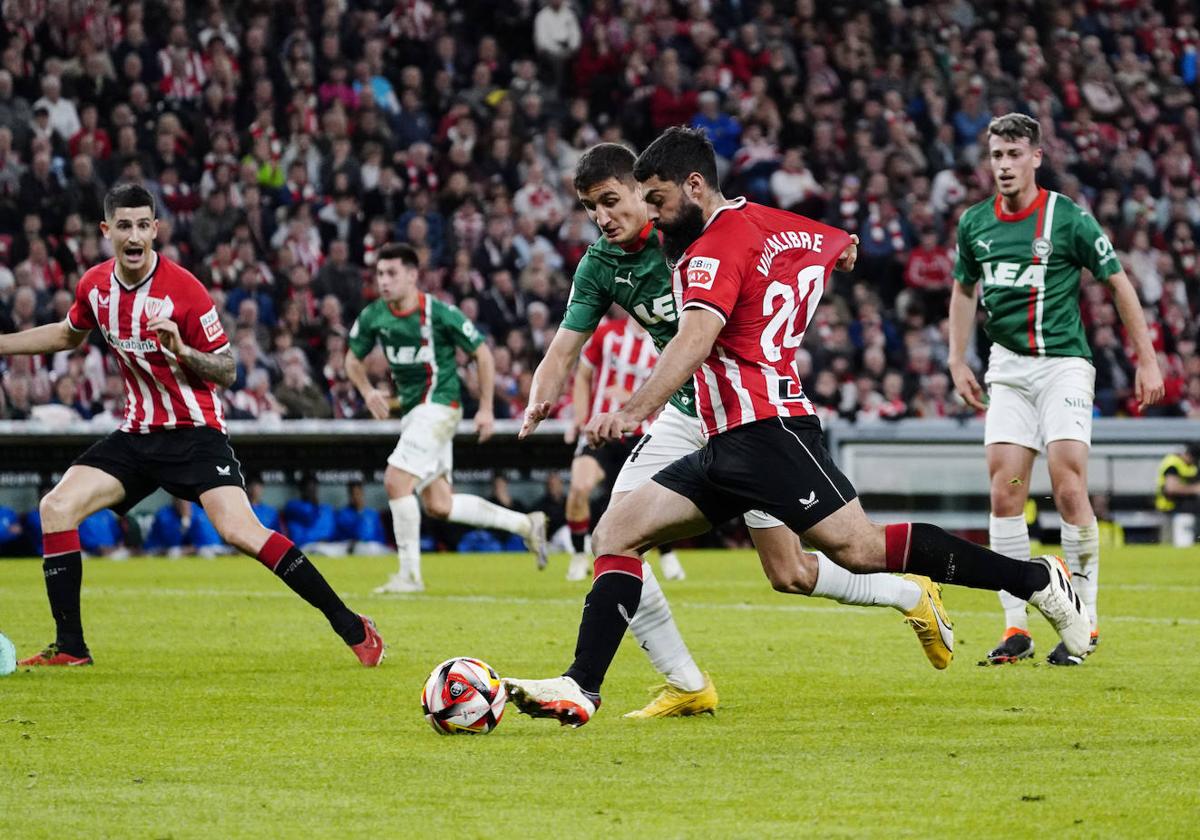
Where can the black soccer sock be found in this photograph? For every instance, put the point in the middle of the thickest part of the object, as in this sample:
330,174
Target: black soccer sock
63,569
290,565
609,608
579,531
928,550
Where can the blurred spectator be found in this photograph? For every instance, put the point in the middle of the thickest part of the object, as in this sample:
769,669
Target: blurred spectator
180,528
311,524
360,525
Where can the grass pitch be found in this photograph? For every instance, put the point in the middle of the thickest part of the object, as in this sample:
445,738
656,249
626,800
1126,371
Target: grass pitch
223,706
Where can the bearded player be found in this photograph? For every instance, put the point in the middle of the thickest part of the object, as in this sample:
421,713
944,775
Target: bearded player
627,266
173,354
1028,246
420,336
751,277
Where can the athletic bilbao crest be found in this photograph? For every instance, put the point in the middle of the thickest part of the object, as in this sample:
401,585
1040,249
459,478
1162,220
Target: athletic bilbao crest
156,307
702,271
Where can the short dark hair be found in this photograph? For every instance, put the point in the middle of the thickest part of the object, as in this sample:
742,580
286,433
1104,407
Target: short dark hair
399,251
676,154
1013,127
128,195
601,162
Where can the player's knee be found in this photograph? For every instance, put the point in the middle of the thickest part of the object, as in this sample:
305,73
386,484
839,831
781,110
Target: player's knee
606,538
437,507
58,511
1007,499
795,579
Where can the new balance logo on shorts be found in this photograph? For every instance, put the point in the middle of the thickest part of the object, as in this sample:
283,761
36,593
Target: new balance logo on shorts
223,470
810,501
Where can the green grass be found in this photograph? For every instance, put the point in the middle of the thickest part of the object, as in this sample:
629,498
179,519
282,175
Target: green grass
222,706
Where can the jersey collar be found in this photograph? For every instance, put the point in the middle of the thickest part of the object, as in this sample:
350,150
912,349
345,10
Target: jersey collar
736,204
1037,204
149,274
403,313
640,243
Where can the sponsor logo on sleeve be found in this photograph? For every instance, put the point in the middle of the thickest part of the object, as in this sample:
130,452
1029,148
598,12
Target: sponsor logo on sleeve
211,322
702,271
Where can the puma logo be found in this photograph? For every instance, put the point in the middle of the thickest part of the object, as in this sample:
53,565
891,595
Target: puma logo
987,246
627,279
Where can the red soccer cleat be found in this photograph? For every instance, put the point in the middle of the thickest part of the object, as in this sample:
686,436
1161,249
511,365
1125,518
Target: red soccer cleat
370,651
53,656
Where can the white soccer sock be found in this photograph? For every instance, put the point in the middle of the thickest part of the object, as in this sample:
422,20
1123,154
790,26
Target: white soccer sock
1009,535
1081,545
875,590
472,510
406,526
656,633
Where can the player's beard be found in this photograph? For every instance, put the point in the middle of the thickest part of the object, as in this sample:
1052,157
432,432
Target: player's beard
682,232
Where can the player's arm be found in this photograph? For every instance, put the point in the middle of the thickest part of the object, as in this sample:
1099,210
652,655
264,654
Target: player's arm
218,366
1176,486
49,338
963,303
485,417
376,400
698,331
581,397
550,375
1148,381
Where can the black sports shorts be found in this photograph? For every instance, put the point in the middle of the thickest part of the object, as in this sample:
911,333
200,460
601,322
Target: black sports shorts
779,466
184,462
611,456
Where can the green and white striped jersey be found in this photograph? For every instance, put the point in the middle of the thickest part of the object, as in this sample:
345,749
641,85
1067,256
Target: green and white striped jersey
1030,263
419,345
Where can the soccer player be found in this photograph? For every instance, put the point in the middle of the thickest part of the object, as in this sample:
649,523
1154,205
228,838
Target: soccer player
627,266
750,278
173,355
1028,245
419,335
619,357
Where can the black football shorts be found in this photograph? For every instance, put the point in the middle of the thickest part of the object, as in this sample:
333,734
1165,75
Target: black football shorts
779,466
184,462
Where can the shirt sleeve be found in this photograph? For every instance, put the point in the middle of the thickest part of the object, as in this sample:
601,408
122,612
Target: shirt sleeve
588,301
80,316
1091,248
199,323
966,266
361,340
458,327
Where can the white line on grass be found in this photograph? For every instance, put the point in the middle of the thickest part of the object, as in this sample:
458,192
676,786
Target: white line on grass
522,600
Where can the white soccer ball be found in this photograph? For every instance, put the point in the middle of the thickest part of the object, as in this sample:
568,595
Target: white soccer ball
463,696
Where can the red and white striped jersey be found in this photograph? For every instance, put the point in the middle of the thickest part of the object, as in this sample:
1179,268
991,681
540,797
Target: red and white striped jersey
622,357
160,392
762,271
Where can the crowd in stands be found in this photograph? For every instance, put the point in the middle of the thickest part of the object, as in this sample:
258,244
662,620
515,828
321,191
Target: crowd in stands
287,142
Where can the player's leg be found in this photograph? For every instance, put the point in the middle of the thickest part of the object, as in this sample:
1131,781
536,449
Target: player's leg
586,475
1009,468
406,527
647,516
808,492
794,571
441,502
1067,460
668,561
228,508
82,491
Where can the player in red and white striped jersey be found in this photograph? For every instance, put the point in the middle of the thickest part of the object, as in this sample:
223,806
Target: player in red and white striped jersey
173,353
615,361
748,277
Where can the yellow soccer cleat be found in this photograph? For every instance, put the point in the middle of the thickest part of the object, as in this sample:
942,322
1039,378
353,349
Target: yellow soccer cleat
674,702
928,618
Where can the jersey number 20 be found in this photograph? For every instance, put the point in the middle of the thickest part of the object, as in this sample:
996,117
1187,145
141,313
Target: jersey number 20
781,331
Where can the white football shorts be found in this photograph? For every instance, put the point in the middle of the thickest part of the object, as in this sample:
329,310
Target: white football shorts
672,435
426,447
1033,400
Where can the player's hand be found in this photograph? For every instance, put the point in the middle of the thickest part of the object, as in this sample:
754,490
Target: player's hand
377,404
168,334
967,385
612,425
850,256
1148,383
535,413
485,423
